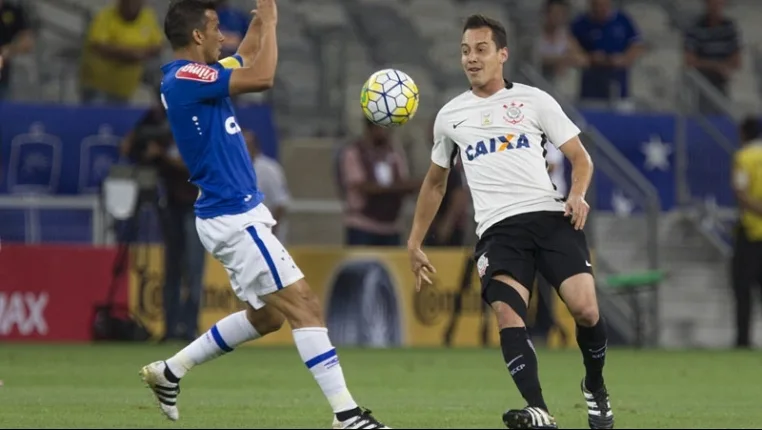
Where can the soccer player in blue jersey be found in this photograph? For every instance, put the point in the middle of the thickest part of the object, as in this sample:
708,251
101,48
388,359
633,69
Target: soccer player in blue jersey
231,222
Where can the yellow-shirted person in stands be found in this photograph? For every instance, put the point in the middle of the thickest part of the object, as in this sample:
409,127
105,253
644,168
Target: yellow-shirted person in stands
747,253
121,38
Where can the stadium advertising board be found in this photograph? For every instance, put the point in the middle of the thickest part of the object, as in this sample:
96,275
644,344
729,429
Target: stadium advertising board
48,293
368,294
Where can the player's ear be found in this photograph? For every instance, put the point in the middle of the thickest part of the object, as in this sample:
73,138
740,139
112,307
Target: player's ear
198,36
503,55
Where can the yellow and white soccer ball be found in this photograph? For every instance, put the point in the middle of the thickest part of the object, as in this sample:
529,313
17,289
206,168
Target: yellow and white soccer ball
389,98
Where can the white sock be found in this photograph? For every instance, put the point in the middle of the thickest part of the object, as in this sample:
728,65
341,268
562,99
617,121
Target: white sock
223,337
319,355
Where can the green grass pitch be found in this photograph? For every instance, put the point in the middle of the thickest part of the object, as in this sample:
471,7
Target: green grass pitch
97,386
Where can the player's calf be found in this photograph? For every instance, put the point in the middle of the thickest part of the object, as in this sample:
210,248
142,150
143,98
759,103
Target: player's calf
578,292
504,295
302,309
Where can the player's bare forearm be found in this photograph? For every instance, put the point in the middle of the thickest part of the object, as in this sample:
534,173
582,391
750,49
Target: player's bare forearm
429,200
581,164
582,174
260,75
267,55
249,46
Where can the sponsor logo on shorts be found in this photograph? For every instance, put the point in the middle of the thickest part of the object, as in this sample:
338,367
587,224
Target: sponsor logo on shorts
482,264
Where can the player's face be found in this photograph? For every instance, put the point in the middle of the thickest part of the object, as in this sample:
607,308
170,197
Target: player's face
481,59
211,43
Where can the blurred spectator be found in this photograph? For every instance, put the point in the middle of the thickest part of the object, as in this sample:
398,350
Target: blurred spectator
121,38
374,177
612,44
448,227
557,48
271,181
747,250
16,38
712,47
233,24
151,144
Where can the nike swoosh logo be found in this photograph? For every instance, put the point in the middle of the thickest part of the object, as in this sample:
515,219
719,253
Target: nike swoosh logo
454,126
587,263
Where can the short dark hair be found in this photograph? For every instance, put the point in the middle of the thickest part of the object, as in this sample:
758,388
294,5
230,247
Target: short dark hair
750,128
183,17
499,35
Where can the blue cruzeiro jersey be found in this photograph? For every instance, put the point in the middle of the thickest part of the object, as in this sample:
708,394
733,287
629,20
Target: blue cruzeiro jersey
200,112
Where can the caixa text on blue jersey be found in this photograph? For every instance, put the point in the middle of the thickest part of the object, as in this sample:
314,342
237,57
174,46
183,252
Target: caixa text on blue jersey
496,144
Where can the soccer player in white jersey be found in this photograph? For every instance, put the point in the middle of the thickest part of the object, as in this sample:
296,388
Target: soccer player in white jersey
523,223
233,224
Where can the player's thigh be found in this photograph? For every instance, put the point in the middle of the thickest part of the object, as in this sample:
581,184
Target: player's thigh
562,253
263,264
563,259
255,260
271,277
506,268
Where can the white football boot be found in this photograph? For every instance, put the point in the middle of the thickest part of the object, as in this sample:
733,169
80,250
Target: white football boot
166,392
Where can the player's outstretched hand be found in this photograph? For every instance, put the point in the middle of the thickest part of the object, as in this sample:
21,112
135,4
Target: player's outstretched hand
420,265
577,207
267,11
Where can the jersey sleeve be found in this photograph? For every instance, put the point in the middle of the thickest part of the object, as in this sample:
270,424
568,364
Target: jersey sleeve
443,151
198,82
554,122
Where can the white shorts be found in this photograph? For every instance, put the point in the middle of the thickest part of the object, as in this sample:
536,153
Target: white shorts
256,261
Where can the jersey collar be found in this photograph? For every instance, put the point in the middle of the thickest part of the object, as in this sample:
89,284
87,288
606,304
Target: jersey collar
508,85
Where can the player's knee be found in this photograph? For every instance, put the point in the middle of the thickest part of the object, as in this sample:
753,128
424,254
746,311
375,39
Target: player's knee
506,316
509,305
299,304
586,315
265,321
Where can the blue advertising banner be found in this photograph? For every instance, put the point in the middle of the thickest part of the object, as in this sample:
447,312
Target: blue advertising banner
68,150
58,149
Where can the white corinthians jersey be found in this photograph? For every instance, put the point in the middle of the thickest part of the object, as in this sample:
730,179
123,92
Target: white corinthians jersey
502,141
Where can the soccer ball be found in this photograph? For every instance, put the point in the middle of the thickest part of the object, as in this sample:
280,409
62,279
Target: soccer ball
389,98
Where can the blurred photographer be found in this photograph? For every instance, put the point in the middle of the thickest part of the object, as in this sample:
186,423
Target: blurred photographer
151,145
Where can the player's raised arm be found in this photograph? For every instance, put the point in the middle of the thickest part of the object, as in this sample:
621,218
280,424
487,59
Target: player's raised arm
251,42
260,56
